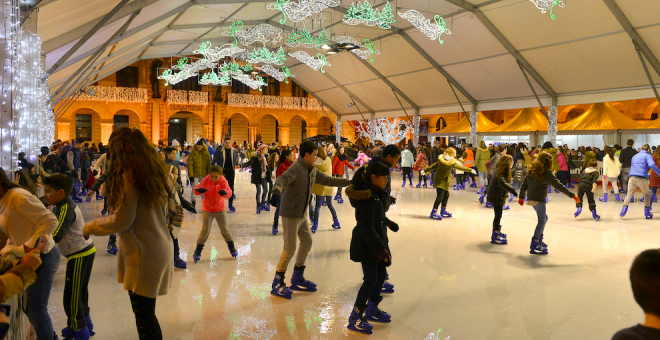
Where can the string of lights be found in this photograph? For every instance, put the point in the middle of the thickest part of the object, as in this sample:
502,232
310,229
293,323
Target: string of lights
273,102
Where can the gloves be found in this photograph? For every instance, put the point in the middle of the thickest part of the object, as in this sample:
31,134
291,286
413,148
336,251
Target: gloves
576,199
222,193
32,259
521,201
201,190
275,200
593,189
385,257
392,225
474,172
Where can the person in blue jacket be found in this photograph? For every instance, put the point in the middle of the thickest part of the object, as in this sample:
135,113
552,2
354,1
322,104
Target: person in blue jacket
639,178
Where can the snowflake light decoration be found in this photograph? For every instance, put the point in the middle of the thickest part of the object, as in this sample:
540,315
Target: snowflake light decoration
364,54
260,33
283,75
363,13
305,39
217,53
298,11
186,70
234,28
385,130
265,56
548,5
315,64
433,31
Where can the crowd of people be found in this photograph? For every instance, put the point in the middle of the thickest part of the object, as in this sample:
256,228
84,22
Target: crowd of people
142,186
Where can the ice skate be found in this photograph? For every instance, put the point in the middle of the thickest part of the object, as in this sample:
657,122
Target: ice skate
198,252
231,209
323,203
279,288
275,230
388,288
298,281
356,321
99,197
506,207
489,205
424,182
232,249
90,325
578,212
112,248
604,198
481,190
510,198
419,185
498,238
103,212
258,209
81,334
549,189
481,198
403,185
647,213
336,197
444,212
595,216
179,263
632,199
473,184
434,215
373,313
624,211
265,206
618,199
335,224
642,199
315,226
537,248
410,181
340,200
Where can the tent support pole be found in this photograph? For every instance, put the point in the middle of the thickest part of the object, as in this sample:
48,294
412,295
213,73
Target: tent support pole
648,74
533,91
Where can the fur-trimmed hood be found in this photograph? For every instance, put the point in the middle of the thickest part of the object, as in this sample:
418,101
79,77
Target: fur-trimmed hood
357,195
447,162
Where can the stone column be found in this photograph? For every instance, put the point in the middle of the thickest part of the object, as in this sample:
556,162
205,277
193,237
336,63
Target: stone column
312,130
106,131
218,128
155,121
285,133
143,126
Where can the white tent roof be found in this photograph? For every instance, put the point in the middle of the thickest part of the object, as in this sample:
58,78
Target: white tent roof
583,56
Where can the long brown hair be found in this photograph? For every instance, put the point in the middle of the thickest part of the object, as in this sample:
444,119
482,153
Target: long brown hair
610,152
540,165
271,160
504,167
134,160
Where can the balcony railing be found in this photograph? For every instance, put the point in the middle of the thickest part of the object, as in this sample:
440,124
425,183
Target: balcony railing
273,102
114,94
187,97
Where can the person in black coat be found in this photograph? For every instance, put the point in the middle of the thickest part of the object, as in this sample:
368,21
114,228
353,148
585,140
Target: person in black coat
498,188
260,174
369,244
587,185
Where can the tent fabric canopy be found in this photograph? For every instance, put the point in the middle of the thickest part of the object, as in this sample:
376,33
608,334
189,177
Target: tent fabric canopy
527,121
652,127
462,128
600,118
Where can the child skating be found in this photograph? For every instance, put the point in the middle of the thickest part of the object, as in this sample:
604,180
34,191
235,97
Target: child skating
535,187
587,185
498,188
407,161
215,189
369,245
292,192
443,166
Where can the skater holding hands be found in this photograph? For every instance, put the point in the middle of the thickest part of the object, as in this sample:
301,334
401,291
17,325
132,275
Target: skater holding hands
443,166
498,188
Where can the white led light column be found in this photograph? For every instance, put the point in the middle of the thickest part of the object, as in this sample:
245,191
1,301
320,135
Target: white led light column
473,125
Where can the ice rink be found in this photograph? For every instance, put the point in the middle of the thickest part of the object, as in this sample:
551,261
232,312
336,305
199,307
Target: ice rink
449,280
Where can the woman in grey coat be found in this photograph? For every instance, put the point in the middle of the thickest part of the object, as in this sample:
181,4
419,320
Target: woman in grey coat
137,190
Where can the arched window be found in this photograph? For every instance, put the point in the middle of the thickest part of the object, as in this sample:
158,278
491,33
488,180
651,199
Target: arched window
441,124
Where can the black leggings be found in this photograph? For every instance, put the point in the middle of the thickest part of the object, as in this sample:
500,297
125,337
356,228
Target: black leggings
442,197
498,217
585,189
264,195
144,309
422,177
339,189
374,278
407,173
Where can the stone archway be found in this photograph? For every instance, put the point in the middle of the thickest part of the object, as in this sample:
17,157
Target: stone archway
84,124
325,126
185,126
269,129
653,111
298,131
238,128
127,118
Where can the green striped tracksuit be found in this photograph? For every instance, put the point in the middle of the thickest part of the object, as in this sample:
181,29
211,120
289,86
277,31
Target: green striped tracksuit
80,255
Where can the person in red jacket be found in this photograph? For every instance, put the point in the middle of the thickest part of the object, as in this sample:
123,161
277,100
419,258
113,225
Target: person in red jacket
215,189
339,162
286,159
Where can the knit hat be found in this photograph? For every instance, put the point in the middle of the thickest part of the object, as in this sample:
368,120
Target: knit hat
200,142
261,147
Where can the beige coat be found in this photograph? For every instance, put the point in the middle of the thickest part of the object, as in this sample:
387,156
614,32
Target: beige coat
146,253
324,166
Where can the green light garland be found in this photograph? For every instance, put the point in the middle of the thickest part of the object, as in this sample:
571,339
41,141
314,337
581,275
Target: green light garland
365,14
287,73
233,28
278,6
306,39
265,56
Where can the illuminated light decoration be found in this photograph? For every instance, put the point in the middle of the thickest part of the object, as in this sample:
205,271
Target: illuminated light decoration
474,117
385,130
180,97
315,64
433,31
273,102
283,75
247,68
186,70
198,98
305,39
363,13
217,53
548,5
233,29
253,82
298,11
265,56
416,121
346,39
552,125
114,94
338,132
213,78
260,33
364,54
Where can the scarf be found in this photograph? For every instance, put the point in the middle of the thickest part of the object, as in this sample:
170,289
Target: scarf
341,157
264,163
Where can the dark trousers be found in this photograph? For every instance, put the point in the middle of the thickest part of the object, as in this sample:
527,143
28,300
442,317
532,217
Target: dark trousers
177,251
498,217
422,176
460,178
147,324
78,271
407,173
270,188
229,176
442,196
374,278
339,189
264,194
317,207
564,177
586,189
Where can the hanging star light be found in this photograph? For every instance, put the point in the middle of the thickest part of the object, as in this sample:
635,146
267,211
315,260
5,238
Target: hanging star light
364,54
233,29
265,56
315,64
283,75
548,5
363,13
298,11
433,31
385,130
217,53
305,39
260,33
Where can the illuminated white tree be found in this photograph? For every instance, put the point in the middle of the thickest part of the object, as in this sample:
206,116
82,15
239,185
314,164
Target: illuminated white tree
385,130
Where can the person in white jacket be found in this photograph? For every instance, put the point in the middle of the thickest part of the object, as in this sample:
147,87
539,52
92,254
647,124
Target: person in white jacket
407,161
611,170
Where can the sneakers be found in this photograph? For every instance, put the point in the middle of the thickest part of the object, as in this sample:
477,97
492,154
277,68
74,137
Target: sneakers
275,228
647,213
578,212
232,249
372,313
537,248
356,321
298,281
444,212
594,215
179,263
604,198
624,211
315,226
198,252
279,288
232,209
112,248
434,215
498,238
335,224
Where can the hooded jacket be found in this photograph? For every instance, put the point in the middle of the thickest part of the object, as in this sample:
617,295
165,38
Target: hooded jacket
199,162
325,167
407,159
589,177
213,201
641,163
519,171
497,190
370,234
555,161
284,166
537,189
561,160
483,156
255,166
442,169
611,168
589,155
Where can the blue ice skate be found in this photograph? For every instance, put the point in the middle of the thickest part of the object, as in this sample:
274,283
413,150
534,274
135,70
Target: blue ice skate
298,281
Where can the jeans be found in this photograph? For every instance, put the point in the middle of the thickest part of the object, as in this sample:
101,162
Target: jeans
39,292
442,196
564,177
498,217
374,278
483,178
230,175
264,185
147,324
193,182
317,208
635,182
625,174
339,189
346,171
542,219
